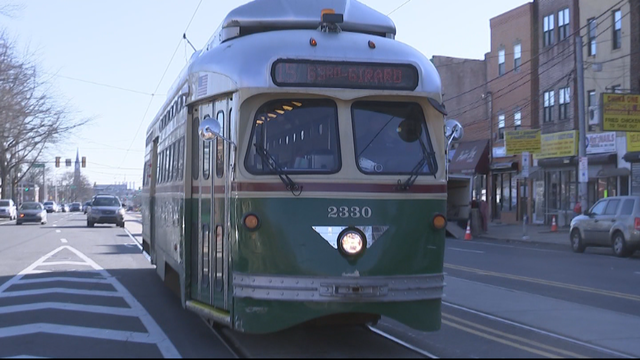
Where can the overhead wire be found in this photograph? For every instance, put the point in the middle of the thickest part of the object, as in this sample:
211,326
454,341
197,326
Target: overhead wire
532,69
159,83
535,56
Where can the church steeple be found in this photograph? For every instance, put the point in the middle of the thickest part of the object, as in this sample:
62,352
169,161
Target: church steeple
77,167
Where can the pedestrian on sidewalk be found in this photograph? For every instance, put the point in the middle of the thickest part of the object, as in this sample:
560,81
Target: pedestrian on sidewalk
484,215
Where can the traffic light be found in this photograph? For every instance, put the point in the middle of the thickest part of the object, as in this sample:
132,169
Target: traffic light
68,162
57,161
84,161
26,189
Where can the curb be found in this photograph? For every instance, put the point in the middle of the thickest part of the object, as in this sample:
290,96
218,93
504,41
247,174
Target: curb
521,240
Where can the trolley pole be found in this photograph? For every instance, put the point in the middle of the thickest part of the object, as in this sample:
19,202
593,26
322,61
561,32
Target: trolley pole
582,142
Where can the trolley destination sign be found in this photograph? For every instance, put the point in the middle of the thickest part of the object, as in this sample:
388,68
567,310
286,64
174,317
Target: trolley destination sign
339,74
620,112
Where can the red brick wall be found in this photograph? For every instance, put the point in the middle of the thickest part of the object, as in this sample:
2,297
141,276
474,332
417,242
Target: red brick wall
512,91
463,86
557,65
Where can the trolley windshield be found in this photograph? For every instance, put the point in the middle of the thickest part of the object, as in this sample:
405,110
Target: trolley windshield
392,138
295,136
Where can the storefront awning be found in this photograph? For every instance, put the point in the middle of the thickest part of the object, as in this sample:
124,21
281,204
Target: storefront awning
505,166
604,173
632,157
471,158
573,160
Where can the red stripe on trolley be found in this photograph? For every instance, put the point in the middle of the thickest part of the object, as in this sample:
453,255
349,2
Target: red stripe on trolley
327,187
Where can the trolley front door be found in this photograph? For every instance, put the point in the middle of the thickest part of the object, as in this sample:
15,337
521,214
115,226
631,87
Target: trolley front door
219,215
201,209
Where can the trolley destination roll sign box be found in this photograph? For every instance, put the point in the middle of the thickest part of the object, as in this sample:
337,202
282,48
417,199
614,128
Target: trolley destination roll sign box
341,74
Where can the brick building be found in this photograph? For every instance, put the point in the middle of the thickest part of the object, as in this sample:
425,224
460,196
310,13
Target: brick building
513,83
464,96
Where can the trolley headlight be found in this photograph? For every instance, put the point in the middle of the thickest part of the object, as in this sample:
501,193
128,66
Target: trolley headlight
352,242
251,221
439,222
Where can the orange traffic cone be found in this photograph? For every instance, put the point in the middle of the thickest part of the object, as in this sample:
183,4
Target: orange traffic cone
467,235
554,226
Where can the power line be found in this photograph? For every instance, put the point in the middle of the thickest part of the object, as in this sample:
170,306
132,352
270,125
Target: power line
396,9
537,55
101,84
160,82
481,101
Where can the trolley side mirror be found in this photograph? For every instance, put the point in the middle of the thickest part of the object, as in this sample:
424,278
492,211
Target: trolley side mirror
209,129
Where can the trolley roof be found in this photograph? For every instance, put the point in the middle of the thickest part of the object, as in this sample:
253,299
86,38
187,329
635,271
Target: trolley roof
281,29
269,15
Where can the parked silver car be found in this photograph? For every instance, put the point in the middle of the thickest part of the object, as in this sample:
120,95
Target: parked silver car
614,222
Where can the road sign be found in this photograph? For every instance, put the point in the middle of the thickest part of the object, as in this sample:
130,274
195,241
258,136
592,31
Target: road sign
526,164
36,166
583,170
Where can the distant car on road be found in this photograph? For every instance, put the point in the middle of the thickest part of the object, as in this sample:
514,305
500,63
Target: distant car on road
86,206
611,222
50,206
75,207
31,212
7,209
63,208
105,209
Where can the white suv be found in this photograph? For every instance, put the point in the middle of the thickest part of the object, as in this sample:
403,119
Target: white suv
50,206
7,209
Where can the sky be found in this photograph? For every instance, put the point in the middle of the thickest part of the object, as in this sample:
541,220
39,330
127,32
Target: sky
111,61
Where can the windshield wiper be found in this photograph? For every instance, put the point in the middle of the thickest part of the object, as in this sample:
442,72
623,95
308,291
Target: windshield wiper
429,158
273,165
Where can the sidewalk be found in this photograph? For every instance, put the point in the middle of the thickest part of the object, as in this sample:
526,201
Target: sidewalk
535,233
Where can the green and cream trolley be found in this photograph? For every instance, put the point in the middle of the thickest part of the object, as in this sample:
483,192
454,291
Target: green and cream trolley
297,172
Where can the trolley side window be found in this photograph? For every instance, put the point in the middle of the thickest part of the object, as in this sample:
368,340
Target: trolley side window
392,138
297,136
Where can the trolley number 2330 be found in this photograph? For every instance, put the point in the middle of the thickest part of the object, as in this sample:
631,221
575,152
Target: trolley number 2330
349,212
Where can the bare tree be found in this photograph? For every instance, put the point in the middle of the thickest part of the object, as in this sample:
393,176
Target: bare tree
30,118
9,9
71,189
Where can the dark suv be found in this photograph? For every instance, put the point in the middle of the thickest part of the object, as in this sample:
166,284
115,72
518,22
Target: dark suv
105,209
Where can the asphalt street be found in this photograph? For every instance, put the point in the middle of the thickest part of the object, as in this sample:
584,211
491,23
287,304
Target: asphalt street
71,291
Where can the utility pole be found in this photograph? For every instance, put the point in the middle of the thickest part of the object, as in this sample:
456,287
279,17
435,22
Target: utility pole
582,133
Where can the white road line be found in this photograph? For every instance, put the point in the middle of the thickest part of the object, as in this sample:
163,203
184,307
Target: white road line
64,263
155,334
467,250
54,225
7,294
511,246
110,310
106,334
57,231
138,244
64,240
612,352
63,278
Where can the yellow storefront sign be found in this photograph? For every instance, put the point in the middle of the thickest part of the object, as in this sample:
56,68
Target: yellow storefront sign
560,144
518,141
633,142
621,112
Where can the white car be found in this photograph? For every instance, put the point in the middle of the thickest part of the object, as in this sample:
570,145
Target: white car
50,206
7,209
